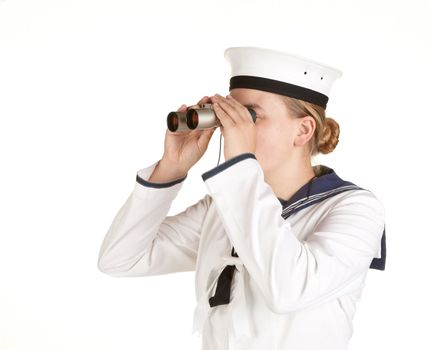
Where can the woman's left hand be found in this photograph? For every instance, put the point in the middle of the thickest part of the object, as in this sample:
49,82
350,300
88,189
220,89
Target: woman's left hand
237,127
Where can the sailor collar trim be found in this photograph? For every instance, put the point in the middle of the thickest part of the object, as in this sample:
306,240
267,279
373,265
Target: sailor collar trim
324,186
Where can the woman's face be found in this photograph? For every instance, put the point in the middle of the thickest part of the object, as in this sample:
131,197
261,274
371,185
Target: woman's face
275,129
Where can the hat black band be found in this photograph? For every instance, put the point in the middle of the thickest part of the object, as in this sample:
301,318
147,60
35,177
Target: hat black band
279,87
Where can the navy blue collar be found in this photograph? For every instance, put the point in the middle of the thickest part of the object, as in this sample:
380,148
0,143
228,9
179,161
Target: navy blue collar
328,182
326,185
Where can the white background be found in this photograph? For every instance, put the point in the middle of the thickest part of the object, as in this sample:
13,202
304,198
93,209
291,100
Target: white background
85,87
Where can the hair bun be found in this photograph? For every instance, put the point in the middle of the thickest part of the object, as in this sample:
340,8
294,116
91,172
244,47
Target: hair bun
330,136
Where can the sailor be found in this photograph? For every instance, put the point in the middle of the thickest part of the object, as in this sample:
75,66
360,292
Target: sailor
280,248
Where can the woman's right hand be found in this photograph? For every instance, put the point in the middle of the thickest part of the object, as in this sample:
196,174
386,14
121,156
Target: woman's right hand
184,149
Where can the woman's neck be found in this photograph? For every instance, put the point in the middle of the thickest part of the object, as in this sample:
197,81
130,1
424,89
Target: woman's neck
288,179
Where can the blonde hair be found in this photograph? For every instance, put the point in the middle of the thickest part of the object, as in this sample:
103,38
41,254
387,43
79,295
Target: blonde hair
326,135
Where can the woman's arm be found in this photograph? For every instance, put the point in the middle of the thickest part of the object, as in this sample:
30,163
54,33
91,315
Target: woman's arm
143,241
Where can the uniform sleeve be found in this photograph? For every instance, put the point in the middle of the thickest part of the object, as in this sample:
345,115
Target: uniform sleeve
294,274
143,241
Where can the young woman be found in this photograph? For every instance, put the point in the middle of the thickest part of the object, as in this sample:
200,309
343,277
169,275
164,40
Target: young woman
281,248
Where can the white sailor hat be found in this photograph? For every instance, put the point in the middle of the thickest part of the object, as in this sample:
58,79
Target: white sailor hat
281,73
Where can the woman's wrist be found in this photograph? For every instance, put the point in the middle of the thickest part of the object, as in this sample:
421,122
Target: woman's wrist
166,172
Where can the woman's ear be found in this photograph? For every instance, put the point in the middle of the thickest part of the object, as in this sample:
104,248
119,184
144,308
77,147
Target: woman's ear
305,130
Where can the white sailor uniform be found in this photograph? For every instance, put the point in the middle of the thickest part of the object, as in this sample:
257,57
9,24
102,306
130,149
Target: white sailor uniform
299,265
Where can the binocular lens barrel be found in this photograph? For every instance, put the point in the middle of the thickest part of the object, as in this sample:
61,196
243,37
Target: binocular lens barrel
177,121
192,119
202,118
173,121
196,118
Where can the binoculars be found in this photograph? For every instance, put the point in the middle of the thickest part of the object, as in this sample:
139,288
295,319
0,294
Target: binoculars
197,118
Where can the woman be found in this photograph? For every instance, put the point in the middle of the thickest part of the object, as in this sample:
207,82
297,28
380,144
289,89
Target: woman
281,248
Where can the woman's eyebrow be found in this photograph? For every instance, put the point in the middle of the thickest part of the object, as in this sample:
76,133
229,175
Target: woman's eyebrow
252,105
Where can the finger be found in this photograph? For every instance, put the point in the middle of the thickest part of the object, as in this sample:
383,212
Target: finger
205,99
224,118
205,137
231,110
234,109
207,133
242,110
182,108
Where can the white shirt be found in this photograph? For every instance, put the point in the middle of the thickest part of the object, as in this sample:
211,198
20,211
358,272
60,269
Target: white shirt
297,280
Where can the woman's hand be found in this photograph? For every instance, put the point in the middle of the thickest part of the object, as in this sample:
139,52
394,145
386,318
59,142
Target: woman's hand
183,150
237,127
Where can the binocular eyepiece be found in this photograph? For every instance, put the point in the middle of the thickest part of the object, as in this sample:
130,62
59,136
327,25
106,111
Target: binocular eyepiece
196,118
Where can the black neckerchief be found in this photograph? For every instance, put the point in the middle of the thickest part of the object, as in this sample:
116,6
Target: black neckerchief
326,185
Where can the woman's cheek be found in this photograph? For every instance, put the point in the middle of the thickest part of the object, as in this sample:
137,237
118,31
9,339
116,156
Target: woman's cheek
263,140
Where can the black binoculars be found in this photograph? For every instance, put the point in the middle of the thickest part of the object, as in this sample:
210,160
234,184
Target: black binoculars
197,118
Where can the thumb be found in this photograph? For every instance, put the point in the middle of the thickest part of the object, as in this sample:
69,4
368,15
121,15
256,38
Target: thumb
207,134
210,132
